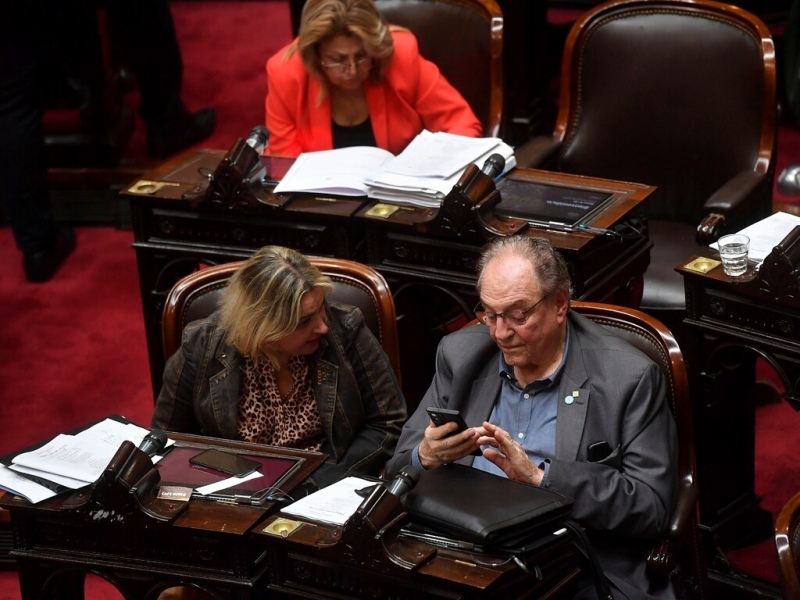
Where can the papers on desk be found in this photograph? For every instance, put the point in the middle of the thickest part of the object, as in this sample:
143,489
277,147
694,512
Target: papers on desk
341,172
425,172
334,504
67,461
767,233
421,175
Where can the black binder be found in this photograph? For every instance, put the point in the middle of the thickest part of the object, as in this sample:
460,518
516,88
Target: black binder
487,510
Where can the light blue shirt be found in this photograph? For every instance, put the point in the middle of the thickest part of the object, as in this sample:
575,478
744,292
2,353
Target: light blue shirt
527,414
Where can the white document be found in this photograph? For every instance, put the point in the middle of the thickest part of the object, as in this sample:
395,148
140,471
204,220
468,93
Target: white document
423,174
341,172
67,482
22,486
226,483
66,455
334,504
82,457
439,155
428,192
766,234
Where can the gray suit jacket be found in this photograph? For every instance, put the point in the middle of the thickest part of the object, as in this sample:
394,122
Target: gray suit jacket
623,499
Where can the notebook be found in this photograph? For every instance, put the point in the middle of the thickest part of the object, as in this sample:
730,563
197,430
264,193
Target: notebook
546,205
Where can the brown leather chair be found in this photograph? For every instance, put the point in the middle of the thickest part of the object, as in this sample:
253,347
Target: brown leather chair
679,94
464,38
679,555
196,295
787,543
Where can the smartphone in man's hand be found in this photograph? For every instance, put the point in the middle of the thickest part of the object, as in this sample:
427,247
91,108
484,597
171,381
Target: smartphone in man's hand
440,416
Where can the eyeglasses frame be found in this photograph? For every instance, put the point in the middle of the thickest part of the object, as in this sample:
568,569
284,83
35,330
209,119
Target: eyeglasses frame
491,321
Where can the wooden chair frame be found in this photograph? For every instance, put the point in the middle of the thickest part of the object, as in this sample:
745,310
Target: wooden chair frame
787,544
679,556
202,288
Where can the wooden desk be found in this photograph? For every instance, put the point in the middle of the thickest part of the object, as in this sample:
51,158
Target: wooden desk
734,321
430,266
143,545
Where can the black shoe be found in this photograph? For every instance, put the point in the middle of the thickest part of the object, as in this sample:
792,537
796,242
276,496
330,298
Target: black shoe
41,266
180,133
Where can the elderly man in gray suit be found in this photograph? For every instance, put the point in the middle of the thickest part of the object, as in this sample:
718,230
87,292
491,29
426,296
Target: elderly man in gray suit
558,402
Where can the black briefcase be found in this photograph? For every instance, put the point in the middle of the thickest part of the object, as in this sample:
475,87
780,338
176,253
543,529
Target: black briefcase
487,510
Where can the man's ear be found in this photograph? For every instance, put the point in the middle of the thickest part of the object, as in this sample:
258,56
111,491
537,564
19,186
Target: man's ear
562,303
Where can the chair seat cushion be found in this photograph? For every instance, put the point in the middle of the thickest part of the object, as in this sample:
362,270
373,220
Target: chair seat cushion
673,243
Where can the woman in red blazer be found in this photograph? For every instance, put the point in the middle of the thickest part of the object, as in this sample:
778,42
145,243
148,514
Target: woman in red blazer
350,79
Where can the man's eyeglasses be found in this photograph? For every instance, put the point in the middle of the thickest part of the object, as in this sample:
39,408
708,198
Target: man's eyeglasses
511,317
341,67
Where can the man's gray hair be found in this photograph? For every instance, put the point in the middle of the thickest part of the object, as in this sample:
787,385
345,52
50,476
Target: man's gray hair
548,265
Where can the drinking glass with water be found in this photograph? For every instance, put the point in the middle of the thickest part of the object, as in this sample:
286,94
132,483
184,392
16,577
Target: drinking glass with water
733,253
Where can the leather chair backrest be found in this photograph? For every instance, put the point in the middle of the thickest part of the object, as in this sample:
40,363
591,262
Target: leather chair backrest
670,93
197,295
464,38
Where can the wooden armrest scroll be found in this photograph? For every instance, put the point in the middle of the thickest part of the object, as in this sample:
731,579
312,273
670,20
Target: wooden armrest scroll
237,183
125,489
779,273
710,229
467,211
372,534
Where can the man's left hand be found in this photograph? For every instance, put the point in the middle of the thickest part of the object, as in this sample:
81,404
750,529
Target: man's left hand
513,461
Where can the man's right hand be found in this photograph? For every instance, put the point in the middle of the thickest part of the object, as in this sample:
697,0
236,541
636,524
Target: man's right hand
440,445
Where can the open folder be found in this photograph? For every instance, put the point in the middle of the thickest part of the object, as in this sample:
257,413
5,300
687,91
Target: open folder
421,175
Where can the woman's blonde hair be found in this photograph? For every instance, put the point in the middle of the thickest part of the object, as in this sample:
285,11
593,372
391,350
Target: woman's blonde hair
322,20
261,304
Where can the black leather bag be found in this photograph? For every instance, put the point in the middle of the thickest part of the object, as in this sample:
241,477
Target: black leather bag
493,512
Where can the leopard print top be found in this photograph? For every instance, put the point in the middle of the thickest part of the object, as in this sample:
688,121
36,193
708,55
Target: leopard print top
267,418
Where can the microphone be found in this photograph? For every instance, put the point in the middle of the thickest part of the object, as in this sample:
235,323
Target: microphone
257,139
153,442
494,165
406,479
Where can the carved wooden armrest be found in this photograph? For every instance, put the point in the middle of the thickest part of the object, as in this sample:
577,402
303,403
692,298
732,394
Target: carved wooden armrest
661,562
710,229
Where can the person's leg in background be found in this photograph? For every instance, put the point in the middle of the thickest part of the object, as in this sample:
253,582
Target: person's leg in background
25,53
142,33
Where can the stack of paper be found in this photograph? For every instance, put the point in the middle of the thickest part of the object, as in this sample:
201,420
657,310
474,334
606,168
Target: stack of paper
334,504
766,234
67,461
341,172
425,172
422,175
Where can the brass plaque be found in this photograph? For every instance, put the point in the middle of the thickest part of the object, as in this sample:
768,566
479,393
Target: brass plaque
282,527
144,186
383,211
702,265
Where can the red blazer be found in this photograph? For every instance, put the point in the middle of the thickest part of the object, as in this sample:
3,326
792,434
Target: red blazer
414,96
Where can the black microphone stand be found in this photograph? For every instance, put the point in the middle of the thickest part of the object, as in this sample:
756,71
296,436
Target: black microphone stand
125,490
370,536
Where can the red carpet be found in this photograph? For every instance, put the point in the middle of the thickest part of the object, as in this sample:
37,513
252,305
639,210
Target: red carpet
73,350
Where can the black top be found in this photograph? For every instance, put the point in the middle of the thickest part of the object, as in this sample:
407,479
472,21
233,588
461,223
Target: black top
353,135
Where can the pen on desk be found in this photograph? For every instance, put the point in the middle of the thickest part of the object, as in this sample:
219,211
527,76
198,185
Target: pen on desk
551,225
